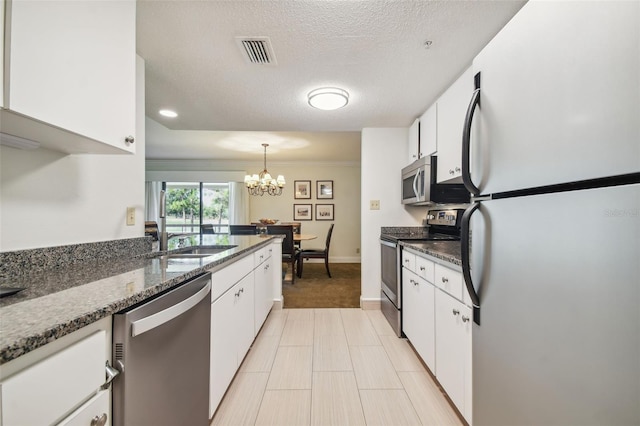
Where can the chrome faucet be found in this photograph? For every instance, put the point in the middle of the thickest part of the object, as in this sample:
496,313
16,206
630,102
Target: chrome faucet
163,222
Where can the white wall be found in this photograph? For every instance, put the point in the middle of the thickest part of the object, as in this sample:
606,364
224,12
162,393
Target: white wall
49,198
384,154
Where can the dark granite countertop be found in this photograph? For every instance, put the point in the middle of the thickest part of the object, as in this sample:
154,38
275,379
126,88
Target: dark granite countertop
59,301
448,251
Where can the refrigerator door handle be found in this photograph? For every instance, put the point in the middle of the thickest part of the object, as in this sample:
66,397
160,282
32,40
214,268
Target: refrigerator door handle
152,321
466,141
466,267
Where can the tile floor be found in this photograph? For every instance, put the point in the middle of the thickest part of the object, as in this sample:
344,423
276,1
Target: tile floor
332,367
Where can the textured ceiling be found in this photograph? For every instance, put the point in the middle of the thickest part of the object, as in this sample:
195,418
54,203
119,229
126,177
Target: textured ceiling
373,49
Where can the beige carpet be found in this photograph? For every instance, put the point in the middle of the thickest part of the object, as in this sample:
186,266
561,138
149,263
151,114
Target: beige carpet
316,290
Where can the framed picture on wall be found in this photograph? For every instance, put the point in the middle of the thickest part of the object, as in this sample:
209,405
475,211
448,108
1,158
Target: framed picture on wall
302,211
324,212
324,189
302,189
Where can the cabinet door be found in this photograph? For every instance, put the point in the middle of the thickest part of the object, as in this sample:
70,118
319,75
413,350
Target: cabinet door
452,108
428,131
96,407
224,357
450,357
243,320
453,350
418,316
413,142
52,387
263,293
72,65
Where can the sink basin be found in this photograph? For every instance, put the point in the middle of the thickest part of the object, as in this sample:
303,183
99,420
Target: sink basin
195,253
205,251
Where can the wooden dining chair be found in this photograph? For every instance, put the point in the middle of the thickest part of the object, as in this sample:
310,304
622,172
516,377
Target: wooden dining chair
243,230
317,254
290,253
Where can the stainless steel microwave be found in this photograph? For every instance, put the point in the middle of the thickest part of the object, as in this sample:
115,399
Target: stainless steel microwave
416,182
419,186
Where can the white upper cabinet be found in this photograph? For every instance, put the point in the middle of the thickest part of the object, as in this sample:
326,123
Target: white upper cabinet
452,108
428,131
70,74
413,143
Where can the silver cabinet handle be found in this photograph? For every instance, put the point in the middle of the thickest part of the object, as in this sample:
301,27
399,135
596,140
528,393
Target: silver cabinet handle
152,321
456,312
451,171
242,290
445,279
129,139
237,294
422,268
465,319
99,421
406,261
457,169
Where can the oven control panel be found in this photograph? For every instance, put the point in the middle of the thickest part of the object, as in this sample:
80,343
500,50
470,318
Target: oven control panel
444,217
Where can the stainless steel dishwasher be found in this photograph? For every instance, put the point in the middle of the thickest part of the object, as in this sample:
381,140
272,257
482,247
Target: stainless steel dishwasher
161,348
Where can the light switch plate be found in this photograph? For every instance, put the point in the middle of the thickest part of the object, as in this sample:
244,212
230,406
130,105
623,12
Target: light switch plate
131,216
374,205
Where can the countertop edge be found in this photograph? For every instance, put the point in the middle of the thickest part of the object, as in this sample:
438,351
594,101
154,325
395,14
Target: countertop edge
48,334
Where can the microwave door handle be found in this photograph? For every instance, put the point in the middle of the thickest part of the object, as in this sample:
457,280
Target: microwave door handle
415,183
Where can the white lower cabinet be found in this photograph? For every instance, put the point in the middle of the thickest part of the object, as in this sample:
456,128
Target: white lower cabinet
242,297
93,413
263,274
437,318
418,315
232,331
59,383
453,350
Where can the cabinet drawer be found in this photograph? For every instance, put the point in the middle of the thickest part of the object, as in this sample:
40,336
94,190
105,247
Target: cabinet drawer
97,406
409,260
425,268
44,392
449,280
261,255
226,277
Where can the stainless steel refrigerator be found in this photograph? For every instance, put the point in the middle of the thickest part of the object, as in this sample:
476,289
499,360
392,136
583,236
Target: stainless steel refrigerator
551,152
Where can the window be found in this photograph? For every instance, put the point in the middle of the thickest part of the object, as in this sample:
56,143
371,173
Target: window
192,204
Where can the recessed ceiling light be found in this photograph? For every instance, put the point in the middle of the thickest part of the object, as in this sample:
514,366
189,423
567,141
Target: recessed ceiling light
168,113
328,98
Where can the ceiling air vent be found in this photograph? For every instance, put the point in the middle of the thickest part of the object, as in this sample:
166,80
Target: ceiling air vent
257,50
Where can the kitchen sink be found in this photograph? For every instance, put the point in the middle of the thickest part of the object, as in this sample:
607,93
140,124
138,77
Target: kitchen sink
205,251
195,253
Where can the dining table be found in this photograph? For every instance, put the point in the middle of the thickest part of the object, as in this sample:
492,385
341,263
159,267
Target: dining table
303,237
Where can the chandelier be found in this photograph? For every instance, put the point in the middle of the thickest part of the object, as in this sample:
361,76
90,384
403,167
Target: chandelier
259,184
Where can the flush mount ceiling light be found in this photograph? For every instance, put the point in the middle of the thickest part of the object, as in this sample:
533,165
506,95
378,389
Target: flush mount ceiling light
328,98
263,183
168,113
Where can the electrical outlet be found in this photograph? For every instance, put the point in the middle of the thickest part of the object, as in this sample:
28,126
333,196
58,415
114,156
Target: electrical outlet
131,216
374,205
358,250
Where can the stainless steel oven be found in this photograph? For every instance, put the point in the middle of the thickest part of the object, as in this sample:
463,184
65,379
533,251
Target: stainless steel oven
391,294
443,224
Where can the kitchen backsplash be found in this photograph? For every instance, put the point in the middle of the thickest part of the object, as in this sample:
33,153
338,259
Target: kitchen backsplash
22,262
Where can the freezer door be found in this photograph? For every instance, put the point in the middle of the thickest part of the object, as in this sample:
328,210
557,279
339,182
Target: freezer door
559,337
560,96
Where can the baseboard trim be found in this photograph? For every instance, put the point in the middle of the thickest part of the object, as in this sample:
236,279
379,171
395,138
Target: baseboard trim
369,304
